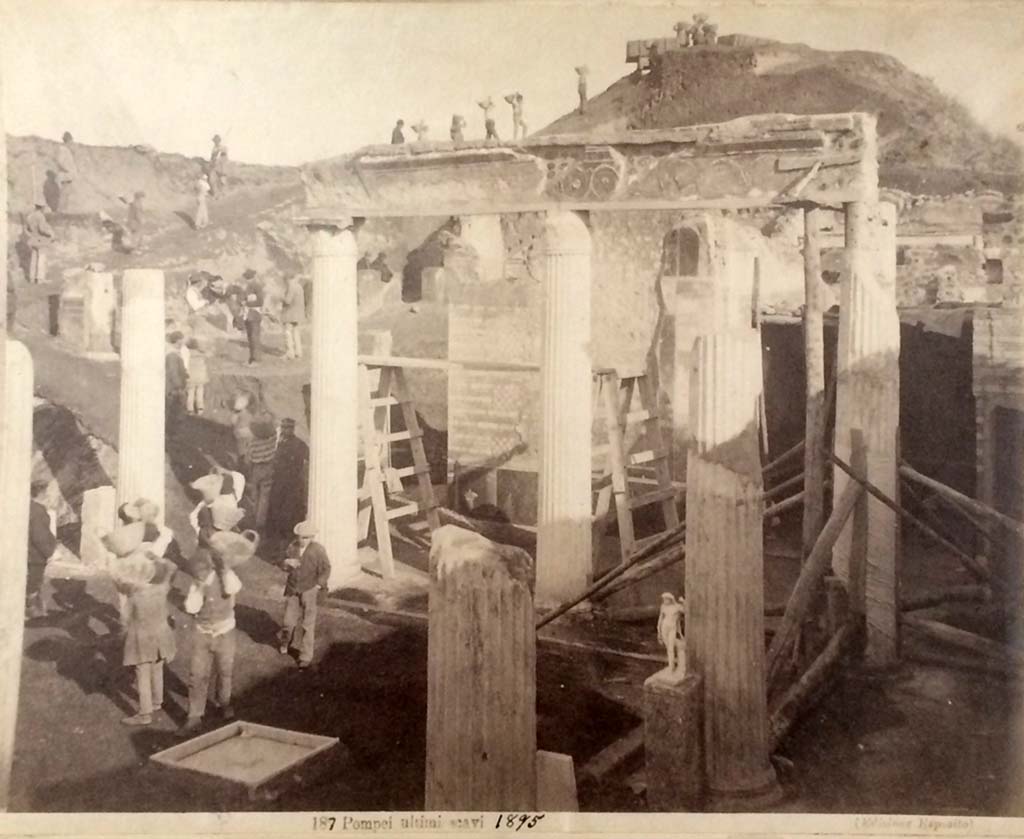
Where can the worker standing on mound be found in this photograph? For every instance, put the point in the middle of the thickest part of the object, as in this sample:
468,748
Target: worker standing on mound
218,166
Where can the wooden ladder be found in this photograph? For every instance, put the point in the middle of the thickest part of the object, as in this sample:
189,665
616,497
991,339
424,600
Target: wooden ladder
381,482
649,467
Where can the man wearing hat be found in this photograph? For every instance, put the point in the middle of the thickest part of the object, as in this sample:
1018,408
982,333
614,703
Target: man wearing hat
262,448
308,571
67,171
252,313
218,165
241,430
287,504
175,383
39,235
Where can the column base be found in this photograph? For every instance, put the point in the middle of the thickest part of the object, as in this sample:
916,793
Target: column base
763,795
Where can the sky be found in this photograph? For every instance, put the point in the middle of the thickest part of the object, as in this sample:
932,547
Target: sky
289,82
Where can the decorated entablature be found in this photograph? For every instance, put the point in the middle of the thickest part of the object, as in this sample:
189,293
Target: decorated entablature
751,161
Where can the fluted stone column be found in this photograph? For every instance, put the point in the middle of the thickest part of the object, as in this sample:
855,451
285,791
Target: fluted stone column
15,477
140,445
725,568
334,398
481,675
867,410
564,564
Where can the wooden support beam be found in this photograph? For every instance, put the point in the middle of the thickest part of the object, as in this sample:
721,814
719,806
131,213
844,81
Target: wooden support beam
972,593
964,640
814,356
814,570
782,458
976,570
966,501
808,688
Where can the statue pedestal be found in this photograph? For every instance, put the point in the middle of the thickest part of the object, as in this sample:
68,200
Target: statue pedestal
674,741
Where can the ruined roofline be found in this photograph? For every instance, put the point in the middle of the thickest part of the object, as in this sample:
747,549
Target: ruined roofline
683,135
756,160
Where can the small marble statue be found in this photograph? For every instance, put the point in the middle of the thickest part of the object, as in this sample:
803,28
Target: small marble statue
670,632
697,36
711,33
487,105
421,129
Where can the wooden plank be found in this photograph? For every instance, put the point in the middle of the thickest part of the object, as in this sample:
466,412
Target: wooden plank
613,756
616,466
652,497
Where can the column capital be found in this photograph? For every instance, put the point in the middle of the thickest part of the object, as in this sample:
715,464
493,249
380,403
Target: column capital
333,241
565,232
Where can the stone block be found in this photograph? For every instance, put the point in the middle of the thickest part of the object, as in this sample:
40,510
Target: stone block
556,783
71,318
674,742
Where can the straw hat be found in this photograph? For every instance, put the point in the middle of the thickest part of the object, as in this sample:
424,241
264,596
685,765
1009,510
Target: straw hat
209,486
305,529
124,540
241,401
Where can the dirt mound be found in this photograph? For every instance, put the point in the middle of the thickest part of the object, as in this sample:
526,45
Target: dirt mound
106,174
929,142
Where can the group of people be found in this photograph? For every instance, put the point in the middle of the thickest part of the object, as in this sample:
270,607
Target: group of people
246,306
145,563
144,576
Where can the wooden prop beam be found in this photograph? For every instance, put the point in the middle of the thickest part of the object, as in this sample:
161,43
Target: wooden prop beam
957,497
769,159
814,358
969,562
809,687
814,570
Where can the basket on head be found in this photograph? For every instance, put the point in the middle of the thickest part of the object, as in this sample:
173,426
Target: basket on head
226,513
133,571
234,548
125,540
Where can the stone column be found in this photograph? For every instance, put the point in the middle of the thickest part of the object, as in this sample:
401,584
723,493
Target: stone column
867,409
725,568
334,398
481,676
564,563
141,437
15,477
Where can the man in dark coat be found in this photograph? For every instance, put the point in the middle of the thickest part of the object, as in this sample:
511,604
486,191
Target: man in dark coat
175,384
253,314
287,506
308,572
41,545
397,135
